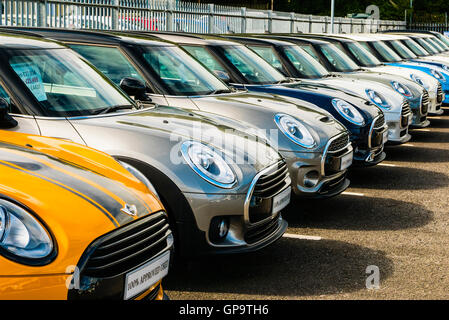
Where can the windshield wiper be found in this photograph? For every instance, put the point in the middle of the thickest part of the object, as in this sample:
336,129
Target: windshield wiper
113,109
219,91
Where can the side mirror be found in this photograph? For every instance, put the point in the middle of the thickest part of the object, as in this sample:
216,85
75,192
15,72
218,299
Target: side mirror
6,121
135,88
223,76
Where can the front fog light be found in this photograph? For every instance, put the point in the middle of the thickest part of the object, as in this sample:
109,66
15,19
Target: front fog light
311,179
170,240
219,228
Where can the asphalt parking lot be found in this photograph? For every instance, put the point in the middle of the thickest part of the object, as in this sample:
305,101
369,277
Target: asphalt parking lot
394,216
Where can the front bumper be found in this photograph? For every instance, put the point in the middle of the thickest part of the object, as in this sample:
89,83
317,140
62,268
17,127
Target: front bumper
55,287
252,218
398,126
317,175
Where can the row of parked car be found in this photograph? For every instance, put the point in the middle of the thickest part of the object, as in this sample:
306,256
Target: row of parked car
203,141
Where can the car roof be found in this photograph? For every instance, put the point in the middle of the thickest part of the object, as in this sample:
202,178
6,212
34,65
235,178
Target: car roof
255,40
329,37
20,40
198,39
301,39
104,37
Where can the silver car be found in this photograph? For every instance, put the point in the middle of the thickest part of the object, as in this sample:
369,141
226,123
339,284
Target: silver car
223,189
317,152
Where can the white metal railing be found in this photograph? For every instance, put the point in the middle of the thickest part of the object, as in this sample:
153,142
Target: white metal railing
173,15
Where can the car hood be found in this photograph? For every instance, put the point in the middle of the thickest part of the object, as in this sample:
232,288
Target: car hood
77,192
258,110
155,135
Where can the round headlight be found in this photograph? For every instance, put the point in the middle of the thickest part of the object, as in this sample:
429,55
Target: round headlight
348,111
208,164
437,74
401,88
378,99
140,176
295,130
22,237
419,81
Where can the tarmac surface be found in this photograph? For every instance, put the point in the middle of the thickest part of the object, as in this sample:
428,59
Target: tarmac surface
394,217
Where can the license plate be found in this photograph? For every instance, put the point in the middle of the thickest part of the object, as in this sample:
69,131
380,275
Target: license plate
281,200
143,278
385,137
346,161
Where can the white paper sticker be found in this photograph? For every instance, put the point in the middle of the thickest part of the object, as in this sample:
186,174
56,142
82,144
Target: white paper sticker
31,76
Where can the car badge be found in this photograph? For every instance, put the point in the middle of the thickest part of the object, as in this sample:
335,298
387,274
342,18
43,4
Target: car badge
129,209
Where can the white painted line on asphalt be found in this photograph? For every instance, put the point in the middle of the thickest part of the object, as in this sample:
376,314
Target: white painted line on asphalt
300,236
353,194
436,118
408,145
427,130
387,165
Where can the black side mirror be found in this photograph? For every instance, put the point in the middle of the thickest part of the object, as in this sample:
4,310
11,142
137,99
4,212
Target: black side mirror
223,76
135,88
6,121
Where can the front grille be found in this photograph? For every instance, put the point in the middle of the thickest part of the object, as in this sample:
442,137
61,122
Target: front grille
339,143
262,231
267,186
405,113
440,93
380,122
127,247
332,185
425,103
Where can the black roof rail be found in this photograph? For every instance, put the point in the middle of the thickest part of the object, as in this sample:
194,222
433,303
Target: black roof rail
9,30
36,31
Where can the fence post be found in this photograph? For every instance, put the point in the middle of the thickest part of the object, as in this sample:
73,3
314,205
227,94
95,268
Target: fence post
41,13
310,24
211,18
270,21
292,22
115,14
325,25
244,20
170,24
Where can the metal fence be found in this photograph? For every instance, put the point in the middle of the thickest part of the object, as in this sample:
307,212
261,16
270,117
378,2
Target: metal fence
174,15
439,27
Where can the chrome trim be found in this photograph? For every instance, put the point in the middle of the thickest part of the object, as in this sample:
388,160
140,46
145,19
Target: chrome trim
252,186
371,130
326,151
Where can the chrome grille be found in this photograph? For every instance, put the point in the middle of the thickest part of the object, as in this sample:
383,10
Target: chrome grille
268,185
262,231
339,143
425,103
127,247
380,122
405,113
440,93
272,182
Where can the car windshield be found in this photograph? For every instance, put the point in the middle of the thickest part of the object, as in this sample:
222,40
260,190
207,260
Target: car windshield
337,58
304,63
180,73
63,84
387,53
426,46
443,39
415,47
363,56
436,45
269,54
253,68
401,49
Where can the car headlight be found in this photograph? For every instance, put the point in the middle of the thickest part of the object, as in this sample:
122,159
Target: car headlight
208,164
378,99
401,88
295,130
140,176
437,74
348,111
22,237
419,81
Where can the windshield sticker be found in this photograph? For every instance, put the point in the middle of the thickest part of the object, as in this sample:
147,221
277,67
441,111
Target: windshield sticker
31,76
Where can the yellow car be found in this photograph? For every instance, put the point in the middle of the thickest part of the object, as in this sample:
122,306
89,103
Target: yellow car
76,224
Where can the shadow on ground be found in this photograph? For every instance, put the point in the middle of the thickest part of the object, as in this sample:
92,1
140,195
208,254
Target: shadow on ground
290,267
357,213
397,178
416,153
429,136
